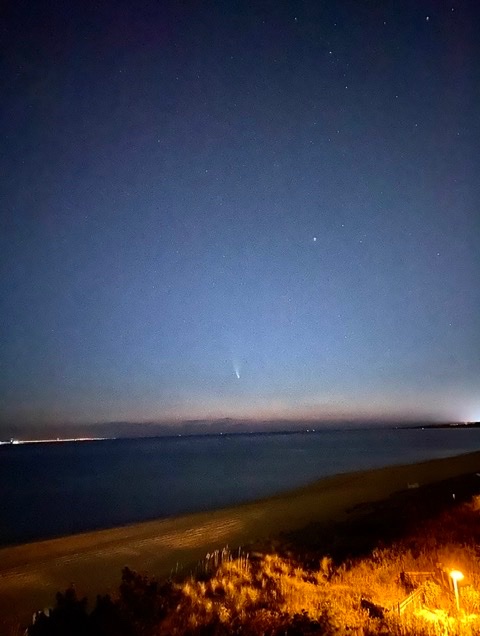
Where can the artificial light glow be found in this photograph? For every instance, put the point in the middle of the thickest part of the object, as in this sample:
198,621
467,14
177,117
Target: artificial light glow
456,576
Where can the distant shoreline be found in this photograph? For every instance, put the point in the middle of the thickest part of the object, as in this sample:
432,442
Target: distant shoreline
314,429
31,574
455,425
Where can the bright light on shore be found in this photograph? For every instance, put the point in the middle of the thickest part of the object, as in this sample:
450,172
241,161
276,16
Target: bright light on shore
457,575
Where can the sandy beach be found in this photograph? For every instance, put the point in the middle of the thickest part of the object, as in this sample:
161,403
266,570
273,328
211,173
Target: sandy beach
31,574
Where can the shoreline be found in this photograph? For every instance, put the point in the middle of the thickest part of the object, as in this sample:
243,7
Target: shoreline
31,574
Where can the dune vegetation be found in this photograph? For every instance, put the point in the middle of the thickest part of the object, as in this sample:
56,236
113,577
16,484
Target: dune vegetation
386,571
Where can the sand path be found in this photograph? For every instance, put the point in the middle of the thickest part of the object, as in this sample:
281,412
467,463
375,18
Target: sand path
31,574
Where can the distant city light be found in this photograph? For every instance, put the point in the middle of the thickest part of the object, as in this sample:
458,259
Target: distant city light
56,439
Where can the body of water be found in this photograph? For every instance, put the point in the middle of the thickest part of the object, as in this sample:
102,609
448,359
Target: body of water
49,490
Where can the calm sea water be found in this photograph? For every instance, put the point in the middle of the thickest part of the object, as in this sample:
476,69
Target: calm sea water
49,490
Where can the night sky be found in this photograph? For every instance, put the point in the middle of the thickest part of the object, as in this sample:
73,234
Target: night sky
239,209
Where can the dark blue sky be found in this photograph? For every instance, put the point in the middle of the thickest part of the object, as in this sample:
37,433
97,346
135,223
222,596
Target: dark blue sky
265,209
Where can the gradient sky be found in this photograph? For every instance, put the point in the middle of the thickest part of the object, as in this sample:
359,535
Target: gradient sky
245,209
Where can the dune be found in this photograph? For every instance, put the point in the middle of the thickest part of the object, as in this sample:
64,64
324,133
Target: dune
31,574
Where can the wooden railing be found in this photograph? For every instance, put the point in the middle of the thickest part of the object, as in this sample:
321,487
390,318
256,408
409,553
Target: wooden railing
412,601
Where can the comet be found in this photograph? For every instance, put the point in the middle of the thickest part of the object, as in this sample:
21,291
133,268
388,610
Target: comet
236,368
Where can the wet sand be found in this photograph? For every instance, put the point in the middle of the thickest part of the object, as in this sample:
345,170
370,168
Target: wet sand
31,574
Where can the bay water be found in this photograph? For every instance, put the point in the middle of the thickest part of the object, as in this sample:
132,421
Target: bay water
54,489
